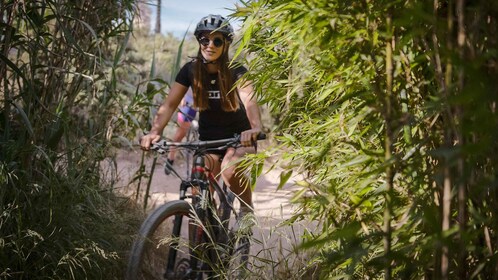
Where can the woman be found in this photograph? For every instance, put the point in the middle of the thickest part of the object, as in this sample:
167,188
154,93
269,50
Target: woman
223,109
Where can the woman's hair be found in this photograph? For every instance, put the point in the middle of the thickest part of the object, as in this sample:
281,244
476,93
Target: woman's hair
228,93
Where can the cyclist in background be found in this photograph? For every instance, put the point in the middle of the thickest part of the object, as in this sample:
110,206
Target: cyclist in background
223,109
186,114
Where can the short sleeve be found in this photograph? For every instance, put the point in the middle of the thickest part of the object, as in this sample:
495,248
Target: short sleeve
238,72
183,76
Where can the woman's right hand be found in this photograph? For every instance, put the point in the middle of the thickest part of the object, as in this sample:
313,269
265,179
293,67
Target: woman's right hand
148,139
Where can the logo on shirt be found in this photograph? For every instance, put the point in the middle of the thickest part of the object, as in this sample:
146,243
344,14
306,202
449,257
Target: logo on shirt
214,94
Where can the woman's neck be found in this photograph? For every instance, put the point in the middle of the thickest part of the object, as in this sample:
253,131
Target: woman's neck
212,68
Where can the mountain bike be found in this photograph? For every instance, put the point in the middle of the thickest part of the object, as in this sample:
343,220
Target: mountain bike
193,237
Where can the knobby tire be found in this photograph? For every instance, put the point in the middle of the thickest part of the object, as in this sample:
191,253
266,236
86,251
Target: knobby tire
149,254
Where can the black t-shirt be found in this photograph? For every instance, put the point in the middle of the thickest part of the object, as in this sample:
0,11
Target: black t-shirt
214,123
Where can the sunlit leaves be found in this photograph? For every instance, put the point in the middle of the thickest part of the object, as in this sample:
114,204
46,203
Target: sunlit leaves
321,66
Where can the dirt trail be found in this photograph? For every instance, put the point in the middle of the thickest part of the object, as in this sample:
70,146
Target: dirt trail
272,240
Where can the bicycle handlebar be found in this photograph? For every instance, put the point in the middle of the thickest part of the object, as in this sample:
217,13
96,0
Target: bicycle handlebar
162,146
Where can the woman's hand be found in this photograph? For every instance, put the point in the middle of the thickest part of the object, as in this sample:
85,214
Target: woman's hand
249,137
148,139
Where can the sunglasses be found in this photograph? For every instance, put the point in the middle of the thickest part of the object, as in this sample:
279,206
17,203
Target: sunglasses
218,42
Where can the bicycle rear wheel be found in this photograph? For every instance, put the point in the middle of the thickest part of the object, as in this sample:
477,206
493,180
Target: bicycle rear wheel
158,252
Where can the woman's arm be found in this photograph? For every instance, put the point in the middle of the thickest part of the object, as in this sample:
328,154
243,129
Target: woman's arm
164,114
248,97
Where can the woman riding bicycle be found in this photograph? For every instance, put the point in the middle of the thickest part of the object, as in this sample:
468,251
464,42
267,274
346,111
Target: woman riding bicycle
223,109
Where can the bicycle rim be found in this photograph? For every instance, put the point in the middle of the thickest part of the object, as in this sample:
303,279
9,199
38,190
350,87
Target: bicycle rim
156,248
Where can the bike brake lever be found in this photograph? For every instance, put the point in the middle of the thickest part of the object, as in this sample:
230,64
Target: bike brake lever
158,147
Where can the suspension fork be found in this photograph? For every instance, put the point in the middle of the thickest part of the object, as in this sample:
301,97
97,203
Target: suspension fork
200,202
177,226
200,196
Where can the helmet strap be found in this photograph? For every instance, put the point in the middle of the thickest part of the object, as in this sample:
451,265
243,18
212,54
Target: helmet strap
208,62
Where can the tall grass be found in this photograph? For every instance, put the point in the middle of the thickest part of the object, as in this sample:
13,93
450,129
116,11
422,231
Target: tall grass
155,86
59,65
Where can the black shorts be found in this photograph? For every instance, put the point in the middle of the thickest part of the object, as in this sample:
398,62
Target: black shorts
220,153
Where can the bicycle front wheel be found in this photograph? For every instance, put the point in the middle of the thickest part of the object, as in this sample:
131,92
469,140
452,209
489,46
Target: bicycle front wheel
162,249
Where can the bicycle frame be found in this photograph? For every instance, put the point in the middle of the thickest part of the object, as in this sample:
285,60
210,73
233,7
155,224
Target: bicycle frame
202,181
202,200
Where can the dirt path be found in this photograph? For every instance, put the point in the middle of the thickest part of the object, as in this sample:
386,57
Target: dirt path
272,241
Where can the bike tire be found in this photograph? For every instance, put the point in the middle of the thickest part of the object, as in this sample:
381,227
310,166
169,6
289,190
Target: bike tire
149,254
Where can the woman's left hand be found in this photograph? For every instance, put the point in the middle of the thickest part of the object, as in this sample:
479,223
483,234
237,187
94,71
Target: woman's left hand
249,137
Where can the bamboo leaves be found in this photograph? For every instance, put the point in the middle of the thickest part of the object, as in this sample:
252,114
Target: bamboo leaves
377,102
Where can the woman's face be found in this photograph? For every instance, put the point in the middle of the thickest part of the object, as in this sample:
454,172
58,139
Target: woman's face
212,45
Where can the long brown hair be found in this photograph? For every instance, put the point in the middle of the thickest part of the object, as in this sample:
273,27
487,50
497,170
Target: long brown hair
229,97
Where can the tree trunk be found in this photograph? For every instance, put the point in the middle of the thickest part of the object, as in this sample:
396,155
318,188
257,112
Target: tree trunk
388,150
157,30
448,143
9,11
462,189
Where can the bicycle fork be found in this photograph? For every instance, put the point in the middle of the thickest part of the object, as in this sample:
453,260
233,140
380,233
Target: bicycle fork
197,235
176,234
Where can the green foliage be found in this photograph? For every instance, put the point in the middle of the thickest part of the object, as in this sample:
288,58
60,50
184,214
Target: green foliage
59,218
149,65
379,108
59,224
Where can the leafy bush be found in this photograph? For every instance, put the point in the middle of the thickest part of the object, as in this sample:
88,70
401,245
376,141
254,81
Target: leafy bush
387,107
59,219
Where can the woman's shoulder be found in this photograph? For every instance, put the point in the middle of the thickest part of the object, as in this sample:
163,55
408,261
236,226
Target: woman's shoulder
237,65
188,67
189,64
238,69
185,74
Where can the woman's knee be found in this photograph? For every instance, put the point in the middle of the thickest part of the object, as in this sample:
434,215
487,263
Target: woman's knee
213,163
228,170
231,165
